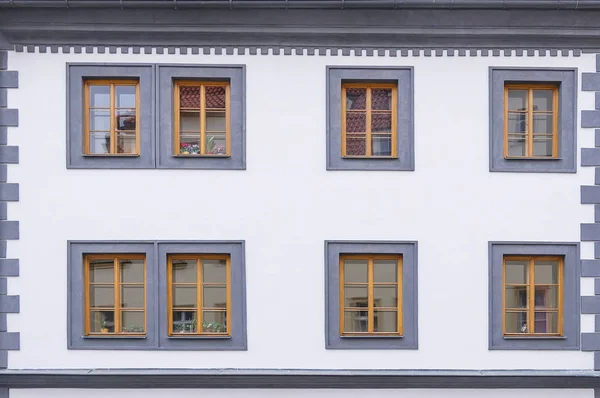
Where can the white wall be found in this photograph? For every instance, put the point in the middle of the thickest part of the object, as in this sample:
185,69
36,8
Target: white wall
286,204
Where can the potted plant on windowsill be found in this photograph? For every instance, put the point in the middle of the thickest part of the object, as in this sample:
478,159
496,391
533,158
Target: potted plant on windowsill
103,327
133,329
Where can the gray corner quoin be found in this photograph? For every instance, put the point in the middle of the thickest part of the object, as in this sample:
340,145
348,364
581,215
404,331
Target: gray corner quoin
566,80
571,296
409,252
403,78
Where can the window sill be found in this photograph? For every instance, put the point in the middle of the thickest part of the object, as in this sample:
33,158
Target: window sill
111,155
202,156
371,157
195,337
111,337
534,337
524,158
399,336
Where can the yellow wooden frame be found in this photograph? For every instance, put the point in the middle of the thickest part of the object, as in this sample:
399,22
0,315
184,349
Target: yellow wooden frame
112,114
199,283
369,112
530,112
203,110
531,299
370,289
117,284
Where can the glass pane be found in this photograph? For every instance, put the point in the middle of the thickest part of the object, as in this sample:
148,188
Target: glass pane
356,296
99,96
215,143
184,322
381,123
356,122
132,322
189,120
215,97
517,272
385,321
102,321
214,297
381,145
99,120
125,119
214,321
517,146
516,322
516,297
517,123
102,296
126,142
215,122
184,271
102,271
356,98
542,100
546,322
125,96
189,143
385,271
517,100
546,297
132,271
356,145
356,321
542,146
99,142
543,124
356,271
381,99
189,97
385,296
132,297
546,272
184,296
214,271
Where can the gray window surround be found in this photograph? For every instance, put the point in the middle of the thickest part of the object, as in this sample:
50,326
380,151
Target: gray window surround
77,73
566,78
409,252
236,75
571,296
403,77
238,338
75,293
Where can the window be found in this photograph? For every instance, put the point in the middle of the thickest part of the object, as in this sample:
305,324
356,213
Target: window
115,299
531,121
202,119
199,295
533,296
111,117
369,120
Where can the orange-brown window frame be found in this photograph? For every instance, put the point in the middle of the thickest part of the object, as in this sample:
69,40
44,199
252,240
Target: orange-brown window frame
531,299
369,113
529,119
199,292
117,309
203,110
370,289
112,110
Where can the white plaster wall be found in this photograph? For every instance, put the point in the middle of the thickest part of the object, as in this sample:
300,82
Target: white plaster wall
286,204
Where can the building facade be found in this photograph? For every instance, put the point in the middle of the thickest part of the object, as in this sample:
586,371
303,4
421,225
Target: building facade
280,198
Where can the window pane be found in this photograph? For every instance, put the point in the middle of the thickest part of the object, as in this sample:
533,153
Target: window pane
215,122
385,296
517,146
381,99
102,296
126,142
516,322
132,321
543,100
215,97
356,145
99,142
516,297
385,321
184,296
214,321
542,146
356,98
356,296
517,123
101,271
385,271
189,120
546,322
184,271
543,124
189,97
184,322
132,297
102,321
125,96
356,271
381,123
99,120
125,119
356,122
214,271
517,272
546,297
546,272
215,143
214,297
100,96
517,100
381,145
132,271
189,143
356,321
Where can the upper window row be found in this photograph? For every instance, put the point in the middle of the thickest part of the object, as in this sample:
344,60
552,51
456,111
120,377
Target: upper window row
370,118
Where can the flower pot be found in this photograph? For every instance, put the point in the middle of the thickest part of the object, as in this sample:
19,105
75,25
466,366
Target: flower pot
104,330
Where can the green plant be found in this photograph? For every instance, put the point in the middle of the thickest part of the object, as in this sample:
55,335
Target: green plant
133,329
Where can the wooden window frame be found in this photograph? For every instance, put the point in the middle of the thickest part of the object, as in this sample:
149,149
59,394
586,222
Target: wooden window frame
117,309
203,109
529,119
370,287
199,292
368,114
112,83
531,300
